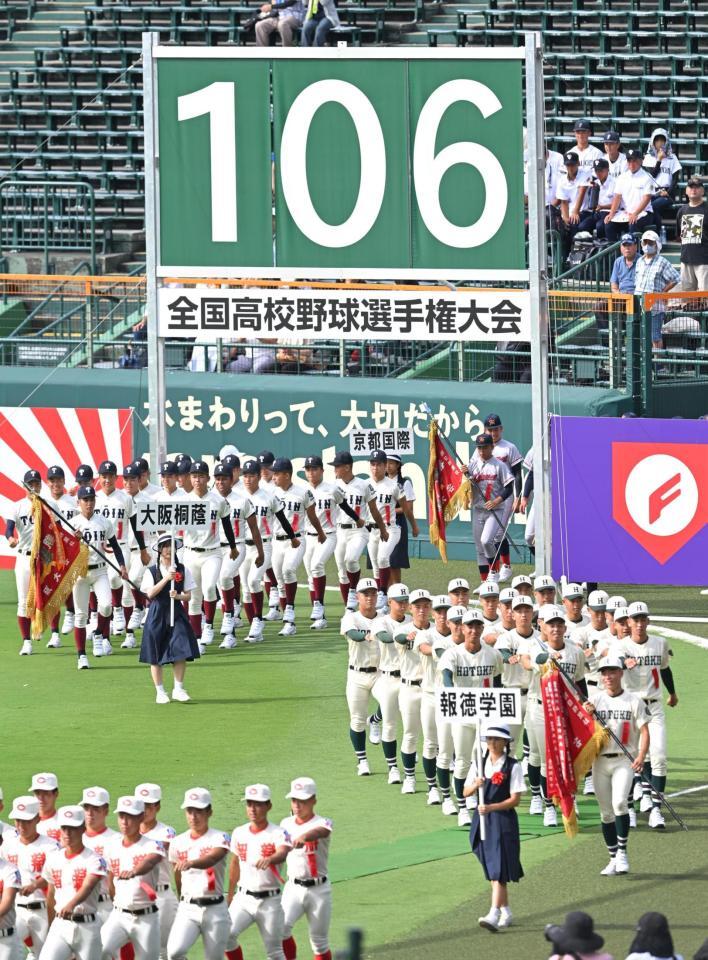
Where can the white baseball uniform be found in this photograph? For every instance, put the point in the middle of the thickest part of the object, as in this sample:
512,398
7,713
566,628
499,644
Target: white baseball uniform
29,859
135,566
96,530
431,679
446,748
48,826
118,507
388,495
363,667
241,509
97,842
265,504
9,942
327,498
308,890
166,899
490,479
410,694
21,515
79,936
530,532
134,918
202,550
644,679
612,773
286,559
512,643
594,644
387,685
352,540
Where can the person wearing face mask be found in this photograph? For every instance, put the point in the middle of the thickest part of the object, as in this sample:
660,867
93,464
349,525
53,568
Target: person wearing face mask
654,274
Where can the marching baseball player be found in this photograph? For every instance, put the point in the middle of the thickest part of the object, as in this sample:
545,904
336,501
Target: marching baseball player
3,826
243,520
169,487
45,788
411,694
329,500
10,883
510,645
544,590
117,506
508,453
646,661
530,511
523,585
266,459
298,505
535,652
268,508
572,594
437,647
492,502
83,476
389,495
505,613
19,530
613,604
471,664
27,851
66,506
184,473
74,875
458,590
352,539
132,862
625,715
198,857
358,627
133,600
308,890
258,848
146,486
489,602
95,804
154,829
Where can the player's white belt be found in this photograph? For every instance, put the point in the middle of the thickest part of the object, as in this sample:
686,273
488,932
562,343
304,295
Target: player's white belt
310,881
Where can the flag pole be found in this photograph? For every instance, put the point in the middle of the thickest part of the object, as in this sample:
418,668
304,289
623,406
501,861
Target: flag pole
172,563
480,773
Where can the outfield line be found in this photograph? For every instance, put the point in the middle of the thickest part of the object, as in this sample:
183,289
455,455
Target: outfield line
655,619
683,793
680,635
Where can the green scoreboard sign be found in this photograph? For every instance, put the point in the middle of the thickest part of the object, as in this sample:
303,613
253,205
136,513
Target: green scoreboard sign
340,162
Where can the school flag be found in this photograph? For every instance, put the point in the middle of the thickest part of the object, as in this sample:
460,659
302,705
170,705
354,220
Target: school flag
59,557
448,489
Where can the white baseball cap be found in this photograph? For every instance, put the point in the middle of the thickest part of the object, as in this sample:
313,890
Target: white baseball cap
132,805
621,613
95,797
417,595
71,817
455,614
473,616
257,792
366,583
611,663
572,591
45,781
459,583
302,789
490,588
197,797
598,600
544,582
613,602
441,602
507,595
24,808
521,600
397,591
149,792
549,611
638,609
521,580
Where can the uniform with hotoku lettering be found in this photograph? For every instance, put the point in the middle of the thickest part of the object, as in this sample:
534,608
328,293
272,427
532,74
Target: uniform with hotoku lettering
431,680
509,644
387,686
352,540
97,842
241,509
202,909
438,644
388,496
490,479
31,908
362,671
100,533
166,899
134,918
265,909
410,697
594,644
9,936
612,774
287,559
66,875
308,890
202,556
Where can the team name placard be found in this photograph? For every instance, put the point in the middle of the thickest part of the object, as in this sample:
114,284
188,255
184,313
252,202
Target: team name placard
178,515
470,705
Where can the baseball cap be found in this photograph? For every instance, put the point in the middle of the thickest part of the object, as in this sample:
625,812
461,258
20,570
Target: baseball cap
342,459
32,476
222,470
601,164
520,581
313,462
183,466
86,493
199,466
417,595
493,420
258,792
197,797
549,611
131,805
229,450
441,602
638,609
183,456
131,470
621,613
45,781
628,238
95,797
302,789
251,468
459,583
142,465
168,469
490,588
282,465
266,458
613,602
611,136
473,616
582,124
106,467
55,473
397,591
377,456
521,601
611,663
571,158
24,808
149,792
544,582
597,600
635,154
71,817
484,440
456,613
694,182
507,595
83,473
572,591
231,461
366,583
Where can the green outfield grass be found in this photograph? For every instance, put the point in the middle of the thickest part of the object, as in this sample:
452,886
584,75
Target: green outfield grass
401,870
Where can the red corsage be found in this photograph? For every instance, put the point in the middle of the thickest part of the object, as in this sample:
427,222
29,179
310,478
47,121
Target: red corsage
498,778
178,577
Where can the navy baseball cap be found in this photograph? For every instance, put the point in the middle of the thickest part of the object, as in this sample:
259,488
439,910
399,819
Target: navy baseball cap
314,462
84,472
142,465
493,420
582,124
377,456
199,466
55,473
611,137
570,157
635,154
32,476
231,461
183,466
251,468
107,467
484,440
222,470
266,459
601,164
628,238
183,456
342,459
86,493
282,465
168,469
131,470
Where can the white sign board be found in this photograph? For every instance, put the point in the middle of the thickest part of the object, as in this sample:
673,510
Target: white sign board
177,515
401,442
470,705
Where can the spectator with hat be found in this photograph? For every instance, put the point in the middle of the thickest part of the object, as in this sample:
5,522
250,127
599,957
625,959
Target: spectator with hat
572,196
653,940
625,266
616,159
631,204
600,194
586,152
576,939
654,274
663,165
692,231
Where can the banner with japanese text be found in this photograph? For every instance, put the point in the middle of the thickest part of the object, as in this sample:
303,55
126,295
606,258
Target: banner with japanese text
472,705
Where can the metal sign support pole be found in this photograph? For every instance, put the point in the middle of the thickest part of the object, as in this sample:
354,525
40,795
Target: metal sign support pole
155,343
538,284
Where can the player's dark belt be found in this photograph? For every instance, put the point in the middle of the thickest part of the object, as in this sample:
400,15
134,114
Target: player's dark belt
364,669
411,683
250,543
95,566
25,553
313,533
284,536
104,898
259,894
391,673
202,549
34,905
203,901
611,756
655,700
591,683
347,526
142,912
314,882
7,933
80,917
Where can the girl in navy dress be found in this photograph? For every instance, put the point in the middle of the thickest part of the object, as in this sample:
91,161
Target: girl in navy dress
162,643
500,851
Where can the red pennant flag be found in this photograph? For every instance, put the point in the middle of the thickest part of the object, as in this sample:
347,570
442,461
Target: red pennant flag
448,490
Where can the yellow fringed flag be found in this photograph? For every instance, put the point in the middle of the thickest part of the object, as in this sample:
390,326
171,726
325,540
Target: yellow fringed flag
448,490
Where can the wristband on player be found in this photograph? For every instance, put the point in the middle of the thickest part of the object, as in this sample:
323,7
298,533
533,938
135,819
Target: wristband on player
541,657
384,637
668,678
356,635
401,638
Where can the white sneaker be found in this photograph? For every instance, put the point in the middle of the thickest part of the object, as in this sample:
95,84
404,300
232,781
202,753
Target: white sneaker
433,797
491,921
638,791
362,768
118,624
632,817
54,641
504,575
107,648
26,648
83,663
93,623
492,577
374,731
162,697
289,614
505,917
227,624
289,629
202,649
645,804
68,624
351,600
274,613
408,785
588,789
97,645
317,611
129,642
536,805
136,620
550,817
621,862
228,643
394,775
448,807
610,870
207,635
319,624
656,819
255,634
463,817
181,695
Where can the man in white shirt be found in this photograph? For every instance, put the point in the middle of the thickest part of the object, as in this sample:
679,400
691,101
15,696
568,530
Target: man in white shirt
600,195
613,155
631,205
572,194
586,152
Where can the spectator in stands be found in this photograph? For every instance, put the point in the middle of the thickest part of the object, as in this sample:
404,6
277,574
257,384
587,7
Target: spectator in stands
663,165
616,159
654,274
625,266
600,194
632,201
287,15
321,17
576,939
692,230
586,152
252,357
572,195
512,362
653,940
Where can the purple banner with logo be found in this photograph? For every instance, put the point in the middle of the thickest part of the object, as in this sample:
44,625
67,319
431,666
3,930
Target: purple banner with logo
630,500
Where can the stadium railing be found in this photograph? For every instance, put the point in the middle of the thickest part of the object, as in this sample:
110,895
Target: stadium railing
682,360
591,274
